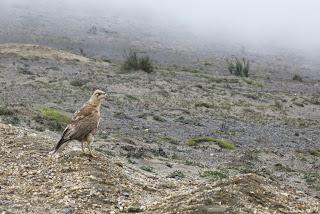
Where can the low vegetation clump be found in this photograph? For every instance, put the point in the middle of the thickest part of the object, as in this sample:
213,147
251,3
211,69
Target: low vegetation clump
223,143
176,174
159,118
78,83
204,104
315,152
212,175
170,140
297,77
193,163
278,104
4,110
9,116
52,118
14,120
283,168
239,67
147,168
146,64
313,180
134,62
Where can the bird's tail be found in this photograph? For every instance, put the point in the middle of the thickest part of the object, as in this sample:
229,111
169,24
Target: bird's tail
59,144
62,140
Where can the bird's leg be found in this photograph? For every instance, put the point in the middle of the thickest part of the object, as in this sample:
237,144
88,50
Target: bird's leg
90,140
82,147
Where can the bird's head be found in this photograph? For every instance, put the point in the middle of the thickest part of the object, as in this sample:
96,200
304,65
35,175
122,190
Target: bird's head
97,97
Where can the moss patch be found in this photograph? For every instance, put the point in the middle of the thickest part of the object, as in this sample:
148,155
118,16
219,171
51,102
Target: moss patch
52,118
223,143
55,114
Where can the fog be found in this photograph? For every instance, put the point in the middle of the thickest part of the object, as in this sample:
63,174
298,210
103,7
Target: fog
287,23
259,25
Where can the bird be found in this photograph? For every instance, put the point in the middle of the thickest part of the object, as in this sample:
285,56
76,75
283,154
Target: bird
83,124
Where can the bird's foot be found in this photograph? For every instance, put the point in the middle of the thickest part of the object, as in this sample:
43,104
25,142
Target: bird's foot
91,154
90,151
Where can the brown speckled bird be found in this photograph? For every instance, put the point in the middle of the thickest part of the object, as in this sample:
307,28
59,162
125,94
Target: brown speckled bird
84,123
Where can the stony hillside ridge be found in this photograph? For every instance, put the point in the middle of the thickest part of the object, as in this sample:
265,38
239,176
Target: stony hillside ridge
32,182
36,52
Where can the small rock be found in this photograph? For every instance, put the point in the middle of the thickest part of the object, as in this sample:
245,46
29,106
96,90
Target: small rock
118,163
134,209
169,165
125,194
162,152
68,210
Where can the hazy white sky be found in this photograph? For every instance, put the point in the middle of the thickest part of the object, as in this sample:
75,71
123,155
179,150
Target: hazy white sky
290,22
287,23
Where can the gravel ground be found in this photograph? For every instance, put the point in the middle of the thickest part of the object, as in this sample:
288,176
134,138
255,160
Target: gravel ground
148,120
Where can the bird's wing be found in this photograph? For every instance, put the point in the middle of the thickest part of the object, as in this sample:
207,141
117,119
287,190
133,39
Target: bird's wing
84,111
83,122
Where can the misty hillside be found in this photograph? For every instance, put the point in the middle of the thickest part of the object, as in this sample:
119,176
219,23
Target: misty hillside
193,33
208,110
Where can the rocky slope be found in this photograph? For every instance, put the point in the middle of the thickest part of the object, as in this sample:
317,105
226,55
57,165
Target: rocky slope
33,182
183,138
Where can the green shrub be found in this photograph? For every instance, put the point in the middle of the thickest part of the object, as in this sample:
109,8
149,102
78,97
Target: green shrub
223,143
145,64
297,77
239,67
131,62
134,62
